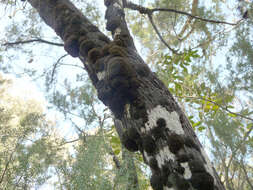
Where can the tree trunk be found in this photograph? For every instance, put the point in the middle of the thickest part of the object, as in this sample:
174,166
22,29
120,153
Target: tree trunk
153,122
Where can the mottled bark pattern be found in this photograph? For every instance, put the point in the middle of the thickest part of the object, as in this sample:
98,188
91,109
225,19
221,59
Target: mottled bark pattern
152,121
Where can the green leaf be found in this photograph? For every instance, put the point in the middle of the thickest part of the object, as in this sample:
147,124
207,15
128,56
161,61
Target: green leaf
190,117
201,128
117,151
232,115
115,140
196,124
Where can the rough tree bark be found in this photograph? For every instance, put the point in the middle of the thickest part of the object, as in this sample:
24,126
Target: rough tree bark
150,118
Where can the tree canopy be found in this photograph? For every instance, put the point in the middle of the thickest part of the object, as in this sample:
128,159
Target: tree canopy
201,50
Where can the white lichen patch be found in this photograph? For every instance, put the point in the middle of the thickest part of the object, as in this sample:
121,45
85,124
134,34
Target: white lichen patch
101,75
118,4
163,155
146,156
187,171
171,118
127,110
117,32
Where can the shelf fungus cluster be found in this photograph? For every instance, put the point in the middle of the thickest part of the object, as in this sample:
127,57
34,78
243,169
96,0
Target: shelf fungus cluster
109,64
120,77
175,159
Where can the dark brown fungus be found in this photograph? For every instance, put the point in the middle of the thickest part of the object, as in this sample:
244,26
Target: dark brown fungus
149,144
175,143
196,166
188,141
60,8
59,27
92,28
94,54
82,32
99,65
133,133
155,182
76,20
119,67
71,46
104,92
86,46
112,24
138,112
178,181
202,181
184,157
71,30
117,51
108,2
82,38
134,82
117,104
181,183
143,70
123,40
129,143
158,132
180,169
104,38
119,83
161,122
153,163
166,169
105,49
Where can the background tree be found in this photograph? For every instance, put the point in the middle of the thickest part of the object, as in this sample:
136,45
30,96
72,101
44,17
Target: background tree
194,87
29,145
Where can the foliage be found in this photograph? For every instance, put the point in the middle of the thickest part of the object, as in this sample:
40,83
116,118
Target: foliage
28,145
214,92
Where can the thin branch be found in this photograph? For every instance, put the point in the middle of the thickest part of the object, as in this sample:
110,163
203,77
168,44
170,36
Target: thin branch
216,35
246,175
240,144
144,10
31,41
189,19
6,167
149,12
160,36
220,106
9,161
101,124
55,65
72,65
68,142
196,17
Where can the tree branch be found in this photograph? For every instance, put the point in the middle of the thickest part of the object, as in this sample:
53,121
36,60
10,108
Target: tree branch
30,41
189,20
144,10
246,175
69,142
55,65
220,106
149,12
160,36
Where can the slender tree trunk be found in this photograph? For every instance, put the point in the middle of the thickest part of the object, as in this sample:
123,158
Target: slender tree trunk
153,122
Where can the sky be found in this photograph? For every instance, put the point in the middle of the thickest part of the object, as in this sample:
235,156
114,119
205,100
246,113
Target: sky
26,88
